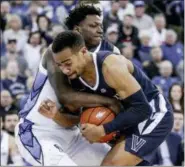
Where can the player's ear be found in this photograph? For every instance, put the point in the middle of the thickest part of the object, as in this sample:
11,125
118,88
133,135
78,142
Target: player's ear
84,50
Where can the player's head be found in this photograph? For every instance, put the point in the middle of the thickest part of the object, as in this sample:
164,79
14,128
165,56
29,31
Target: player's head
86,20
70,53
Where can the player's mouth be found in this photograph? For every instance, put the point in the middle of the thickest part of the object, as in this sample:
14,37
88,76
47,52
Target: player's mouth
98,36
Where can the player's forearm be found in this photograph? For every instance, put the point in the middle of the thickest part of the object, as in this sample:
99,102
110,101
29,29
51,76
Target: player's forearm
138,110
79,99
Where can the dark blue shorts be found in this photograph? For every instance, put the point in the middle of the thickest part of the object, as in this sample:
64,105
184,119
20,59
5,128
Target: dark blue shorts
149,134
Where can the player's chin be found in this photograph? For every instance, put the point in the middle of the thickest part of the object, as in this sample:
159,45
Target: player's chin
96,41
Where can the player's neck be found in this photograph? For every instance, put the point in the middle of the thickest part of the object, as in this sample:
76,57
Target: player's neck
89,74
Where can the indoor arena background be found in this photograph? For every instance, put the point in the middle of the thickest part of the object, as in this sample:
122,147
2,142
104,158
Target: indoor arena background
155,42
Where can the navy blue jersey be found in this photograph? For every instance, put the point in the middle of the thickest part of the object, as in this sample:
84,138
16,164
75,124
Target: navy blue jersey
105,45
149,89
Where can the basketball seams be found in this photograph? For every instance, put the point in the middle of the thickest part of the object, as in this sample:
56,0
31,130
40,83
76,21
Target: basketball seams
90,115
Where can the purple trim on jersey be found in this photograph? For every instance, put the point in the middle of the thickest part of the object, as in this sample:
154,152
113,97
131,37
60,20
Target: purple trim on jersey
29,141
34,95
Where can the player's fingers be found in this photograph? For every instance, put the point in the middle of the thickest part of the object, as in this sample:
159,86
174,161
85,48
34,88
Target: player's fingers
50,103
44,111
44,104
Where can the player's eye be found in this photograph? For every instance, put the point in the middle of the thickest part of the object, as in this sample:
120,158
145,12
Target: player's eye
93,25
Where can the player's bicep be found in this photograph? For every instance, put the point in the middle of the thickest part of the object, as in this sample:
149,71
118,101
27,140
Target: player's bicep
117,76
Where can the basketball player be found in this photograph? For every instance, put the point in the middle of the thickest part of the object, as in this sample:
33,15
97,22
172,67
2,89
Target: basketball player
8,149
148,117
86,20
41,141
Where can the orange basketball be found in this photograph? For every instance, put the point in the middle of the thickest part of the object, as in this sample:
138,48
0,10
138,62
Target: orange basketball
99,116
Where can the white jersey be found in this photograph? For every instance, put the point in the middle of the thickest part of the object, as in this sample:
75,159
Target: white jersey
42,90
4,148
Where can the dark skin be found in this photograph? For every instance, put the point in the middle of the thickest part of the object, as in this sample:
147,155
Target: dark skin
69,97
91,29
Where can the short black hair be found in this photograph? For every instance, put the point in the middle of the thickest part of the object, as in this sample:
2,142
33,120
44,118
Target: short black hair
67,39
79,14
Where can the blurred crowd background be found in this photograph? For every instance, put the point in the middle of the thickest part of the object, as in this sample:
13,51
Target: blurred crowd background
149,33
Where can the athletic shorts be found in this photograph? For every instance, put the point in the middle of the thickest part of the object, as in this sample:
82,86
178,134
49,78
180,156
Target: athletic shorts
144,140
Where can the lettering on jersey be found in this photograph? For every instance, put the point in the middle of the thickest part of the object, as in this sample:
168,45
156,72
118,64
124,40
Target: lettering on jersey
103,90
137,143
100,114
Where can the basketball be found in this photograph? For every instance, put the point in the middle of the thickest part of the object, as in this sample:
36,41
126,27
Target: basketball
99,116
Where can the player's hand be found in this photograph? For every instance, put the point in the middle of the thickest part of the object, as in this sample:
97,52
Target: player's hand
48,108
92,132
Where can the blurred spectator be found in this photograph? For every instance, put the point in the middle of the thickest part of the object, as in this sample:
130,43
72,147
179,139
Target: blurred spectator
15,32
5,14
144,49
178,123
180,70
126,8
128,34
7,103
128,52
112,34
45,9
31,17
175,12
142,21
2,44
165,81
10,121
159,31
44,27
56,29
176,97
170,152
62,11
19,7
32,48
151,68
172,50
29,84
14,82
106,5
12,54
9,149
111,18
